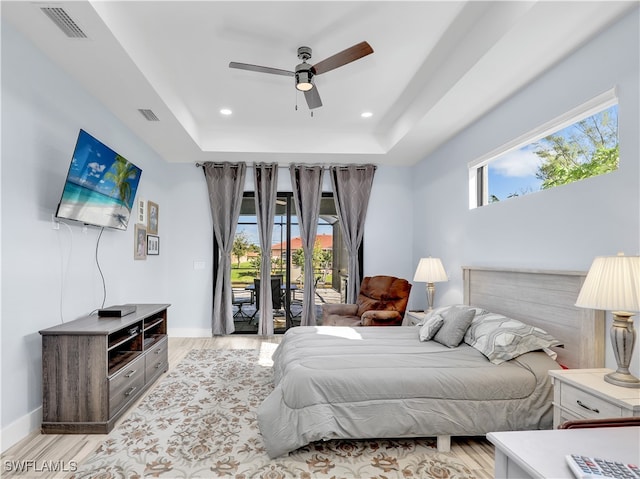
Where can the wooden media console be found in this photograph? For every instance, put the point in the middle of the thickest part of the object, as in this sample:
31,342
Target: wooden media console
94,368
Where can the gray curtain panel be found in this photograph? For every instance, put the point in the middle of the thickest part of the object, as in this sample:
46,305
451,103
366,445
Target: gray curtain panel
225,182
306,181
266,186
352,187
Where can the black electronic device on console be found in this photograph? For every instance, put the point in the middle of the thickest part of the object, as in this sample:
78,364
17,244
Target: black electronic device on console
117,311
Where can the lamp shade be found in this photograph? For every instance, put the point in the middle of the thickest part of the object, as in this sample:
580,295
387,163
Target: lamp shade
612,284
430,270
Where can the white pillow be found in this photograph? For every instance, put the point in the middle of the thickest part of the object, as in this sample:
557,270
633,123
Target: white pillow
500,338
443,309
431,314
431,326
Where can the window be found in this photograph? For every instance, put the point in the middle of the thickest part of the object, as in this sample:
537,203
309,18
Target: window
581,144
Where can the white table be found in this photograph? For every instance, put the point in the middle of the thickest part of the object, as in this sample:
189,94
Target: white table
541,454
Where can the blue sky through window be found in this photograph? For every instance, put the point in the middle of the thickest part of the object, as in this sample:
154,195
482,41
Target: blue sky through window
514,173
279,233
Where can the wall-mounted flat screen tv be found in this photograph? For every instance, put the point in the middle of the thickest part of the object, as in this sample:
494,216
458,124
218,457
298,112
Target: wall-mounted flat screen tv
101,185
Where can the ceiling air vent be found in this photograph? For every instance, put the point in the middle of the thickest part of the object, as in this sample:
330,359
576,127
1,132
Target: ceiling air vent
64,22
148,114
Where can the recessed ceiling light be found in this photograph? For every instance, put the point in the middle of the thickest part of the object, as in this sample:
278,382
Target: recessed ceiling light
366,114
225,111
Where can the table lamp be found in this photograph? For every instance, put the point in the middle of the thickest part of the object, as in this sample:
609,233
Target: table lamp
613,284
430,270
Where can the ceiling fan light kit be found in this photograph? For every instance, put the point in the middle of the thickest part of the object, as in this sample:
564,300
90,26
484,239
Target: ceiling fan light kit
303,77
305,72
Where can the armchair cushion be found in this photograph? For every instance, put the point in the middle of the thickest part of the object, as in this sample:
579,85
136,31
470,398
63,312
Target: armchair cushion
339,320
383,292
341,309
381,318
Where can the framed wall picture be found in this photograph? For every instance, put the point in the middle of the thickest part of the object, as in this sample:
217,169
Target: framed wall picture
153,211
153,245
142,212
140,242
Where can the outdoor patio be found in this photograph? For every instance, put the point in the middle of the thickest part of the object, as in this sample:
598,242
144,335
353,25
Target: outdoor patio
246,321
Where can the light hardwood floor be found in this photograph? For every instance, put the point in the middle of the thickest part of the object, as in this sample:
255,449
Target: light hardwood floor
61,451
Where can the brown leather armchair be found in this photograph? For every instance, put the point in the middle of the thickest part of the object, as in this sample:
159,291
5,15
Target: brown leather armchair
382,302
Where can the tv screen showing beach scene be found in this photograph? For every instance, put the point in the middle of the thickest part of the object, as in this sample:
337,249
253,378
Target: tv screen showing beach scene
101,185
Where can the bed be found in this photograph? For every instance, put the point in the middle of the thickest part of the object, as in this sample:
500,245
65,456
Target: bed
375,382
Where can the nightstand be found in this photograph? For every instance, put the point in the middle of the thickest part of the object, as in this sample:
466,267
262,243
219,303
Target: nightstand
584,394
411,318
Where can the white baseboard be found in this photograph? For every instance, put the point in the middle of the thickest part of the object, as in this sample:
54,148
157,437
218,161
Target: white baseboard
189,333
20,429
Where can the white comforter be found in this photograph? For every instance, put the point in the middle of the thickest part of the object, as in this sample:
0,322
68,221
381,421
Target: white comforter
377,382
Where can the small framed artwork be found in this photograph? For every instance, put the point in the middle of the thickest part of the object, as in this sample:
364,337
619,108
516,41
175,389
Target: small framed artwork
153,245
142,212
152,217
140,242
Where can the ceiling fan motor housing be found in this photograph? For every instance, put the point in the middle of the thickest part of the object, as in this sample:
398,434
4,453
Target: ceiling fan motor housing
304,53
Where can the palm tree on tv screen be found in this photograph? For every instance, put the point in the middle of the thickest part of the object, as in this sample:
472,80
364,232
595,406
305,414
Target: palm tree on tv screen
120,173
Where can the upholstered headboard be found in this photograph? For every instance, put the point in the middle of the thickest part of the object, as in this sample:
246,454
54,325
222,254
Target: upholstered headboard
545,299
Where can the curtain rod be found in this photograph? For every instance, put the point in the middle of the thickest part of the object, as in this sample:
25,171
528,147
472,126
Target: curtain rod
358,166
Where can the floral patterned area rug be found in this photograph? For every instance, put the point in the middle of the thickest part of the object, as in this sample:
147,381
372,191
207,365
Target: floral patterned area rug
199,421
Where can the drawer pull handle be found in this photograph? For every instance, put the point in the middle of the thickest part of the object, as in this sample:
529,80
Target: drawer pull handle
159,365
581,404
158,351
130,391
130,373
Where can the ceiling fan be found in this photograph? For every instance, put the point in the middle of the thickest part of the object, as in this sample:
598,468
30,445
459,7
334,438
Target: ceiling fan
305,72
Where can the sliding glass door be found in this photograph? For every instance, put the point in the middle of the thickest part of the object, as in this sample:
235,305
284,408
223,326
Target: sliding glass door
287,262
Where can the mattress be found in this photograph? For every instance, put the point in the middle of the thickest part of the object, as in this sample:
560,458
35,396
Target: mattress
376,382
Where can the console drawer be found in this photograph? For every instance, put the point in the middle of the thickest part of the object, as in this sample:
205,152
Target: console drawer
125,385
156,360
586,405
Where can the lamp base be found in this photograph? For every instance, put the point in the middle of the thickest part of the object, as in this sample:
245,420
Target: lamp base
625,380
431,289
623,337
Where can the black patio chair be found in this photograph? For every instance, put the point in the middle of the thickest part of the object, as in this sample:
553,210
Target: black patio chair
276,294
239,302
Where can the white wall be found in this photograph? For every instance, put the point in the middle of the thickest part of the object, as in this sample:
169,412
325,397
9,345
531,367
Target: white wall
562,228
42,110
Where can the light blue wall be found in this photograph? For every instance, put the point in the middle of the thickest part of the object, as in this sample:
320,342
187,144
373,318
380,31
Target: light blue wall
51,275
562,228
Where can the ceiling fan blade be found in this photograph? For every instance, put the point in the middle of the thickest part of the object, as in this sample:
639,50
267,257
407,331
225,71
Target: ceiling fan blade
257,68
349,55
313,98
